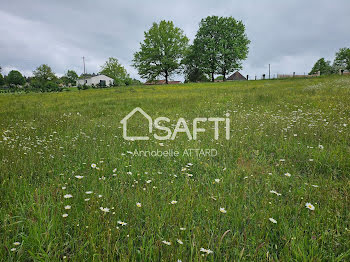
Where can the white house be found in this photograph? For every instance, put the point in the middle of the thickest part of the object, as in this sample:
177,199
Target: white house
95,80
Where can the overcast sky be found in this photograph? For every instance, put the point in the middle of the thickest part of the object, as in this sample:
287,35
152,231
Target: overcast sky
289,35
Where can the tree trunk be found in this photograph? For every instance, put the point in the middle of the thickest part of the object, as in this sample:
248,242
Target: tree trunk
224,79
212,77
166,77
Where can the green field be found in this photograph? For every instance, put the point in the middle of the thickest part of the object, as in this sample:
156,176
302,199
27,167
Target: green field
279,127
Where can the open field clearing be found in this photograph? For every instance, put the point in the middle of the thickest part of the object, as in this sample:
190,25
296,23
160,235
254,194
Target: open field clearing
277,190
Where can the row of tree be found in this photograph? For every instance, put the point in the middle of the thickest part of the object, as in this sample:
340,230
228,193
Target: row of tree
219,47
45,80
341,62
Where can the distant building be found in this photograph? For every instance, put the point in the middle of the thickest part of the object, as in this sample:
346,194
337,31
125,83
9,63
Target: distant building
162,82
236,77
101,80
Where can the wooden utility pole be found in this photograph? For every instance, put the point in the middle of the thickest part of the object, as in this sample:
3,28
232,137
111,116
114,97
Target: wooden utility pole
269,71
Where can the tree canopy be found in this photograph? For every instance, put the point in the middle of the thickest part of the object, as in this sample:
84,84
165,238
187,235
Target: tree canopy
113,69
161,52
221,44
44,73
342,58
233,45
45,79
15,78
72,76
323,66
69,78
192,68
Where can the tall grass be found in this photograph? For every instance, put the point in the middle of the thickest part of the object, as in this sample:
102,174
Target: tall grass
298,127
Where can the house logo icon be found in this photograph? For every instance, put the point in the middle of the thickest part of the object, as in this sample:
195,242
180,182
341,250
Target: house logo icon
124,121
180,127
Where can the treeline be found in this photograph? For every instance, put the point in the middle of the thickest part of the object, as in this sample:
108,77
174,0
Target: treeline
341,62
45,80
219,48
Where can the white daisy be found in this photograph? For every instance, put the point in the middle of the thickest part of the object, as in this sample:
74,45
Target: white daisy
287,174
208,251
273,220
64,215
67,207
138,204
68,196
122,223
104,209
222,210
93,165
310,206
166,242
88,192
79,177
173,202
17,243
179,241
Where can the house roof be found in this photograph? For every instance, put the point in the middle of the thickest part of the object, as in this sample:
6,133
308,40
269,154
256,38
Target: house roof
236,76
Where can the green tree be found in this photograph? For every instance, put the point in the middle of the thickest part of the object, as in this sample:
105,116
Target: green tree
161,52
64,80
2,81
233,45
323,66
45,79
115,70
221,44
192,68
44,73
342,58
15,78
71,77
206,45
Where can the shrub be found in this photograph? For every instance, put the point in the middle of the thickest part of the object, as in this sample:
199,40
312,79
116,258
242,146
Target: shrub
15,78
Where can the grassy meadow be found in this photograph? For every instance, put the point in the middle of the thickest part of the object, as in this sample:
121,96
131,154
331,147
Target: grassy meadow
72,189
